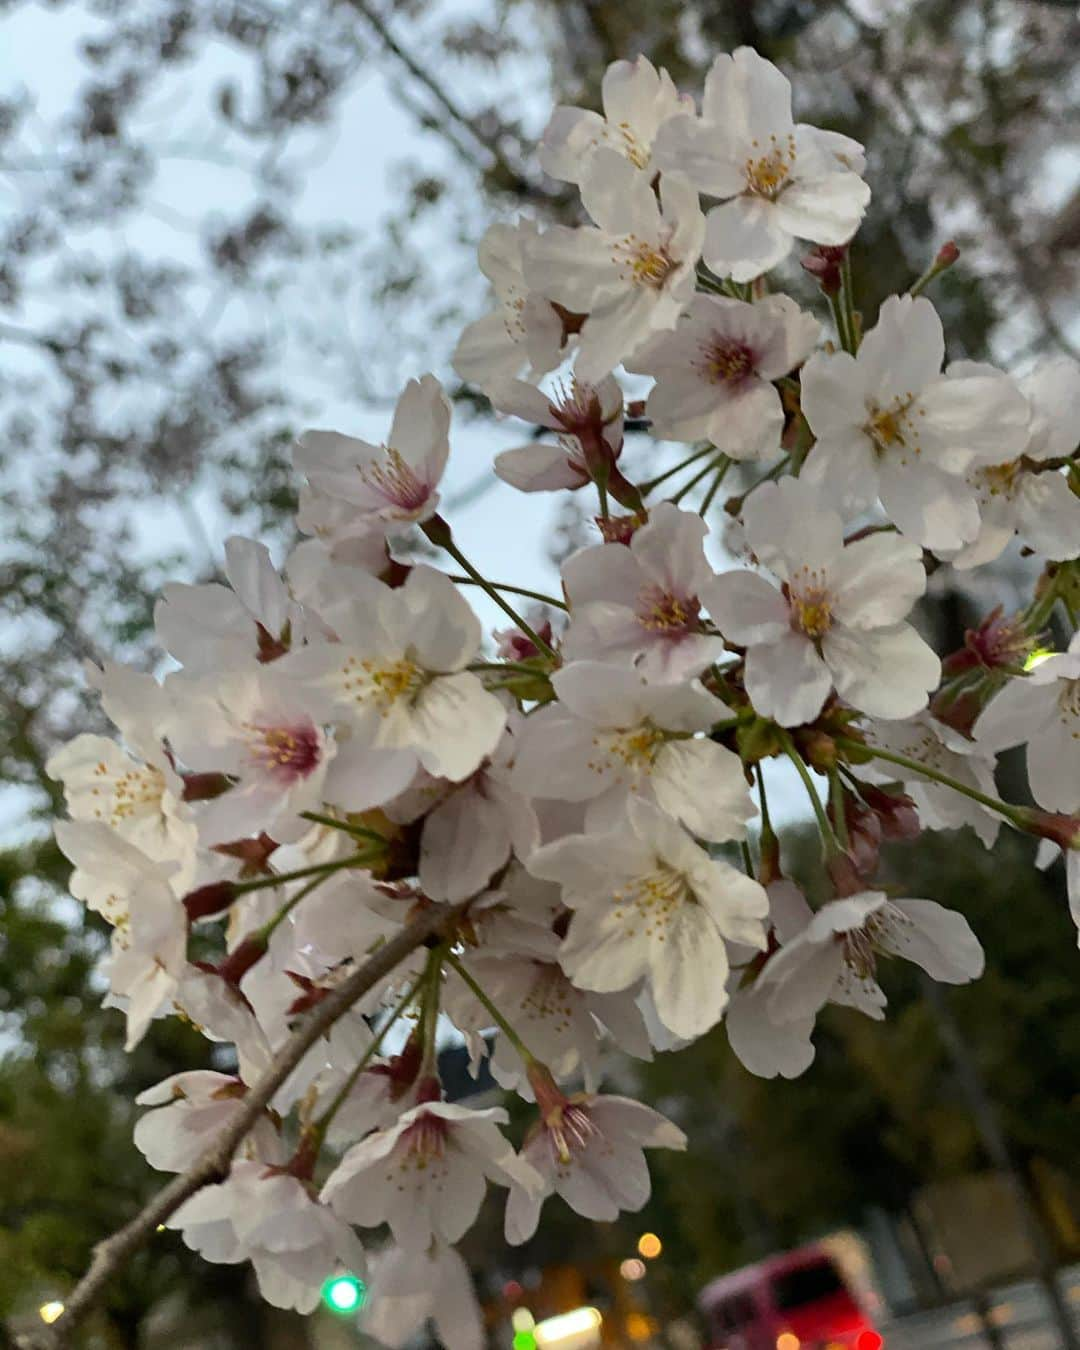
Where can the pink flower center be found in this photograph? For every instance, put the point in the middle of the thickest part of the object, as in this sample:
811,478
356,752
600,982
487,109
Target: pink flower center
728,361
425,1138
396,481
286,753
662,611
569,1132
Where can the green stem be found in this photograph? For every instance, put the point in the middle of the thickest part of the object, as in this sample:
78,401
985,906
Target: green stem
514,590
316,869
836,803
601,492
496,1016
763,801
1014,814
346,827
828,838
836,305
448,544
429,1018
323,1123
1038,613
721,472
689,487
847,296
748,859
647,487
267,930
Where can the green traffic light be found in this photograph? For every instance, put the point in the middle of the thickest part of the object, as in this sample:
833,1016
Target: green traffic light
344,1294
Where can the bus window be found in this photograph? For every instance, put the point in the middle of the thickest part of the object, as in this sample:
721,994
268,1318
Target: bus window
806,1284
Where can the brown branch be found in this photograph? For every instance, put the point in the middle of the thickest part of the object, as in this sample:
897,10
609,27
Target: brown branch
509,175
111,1254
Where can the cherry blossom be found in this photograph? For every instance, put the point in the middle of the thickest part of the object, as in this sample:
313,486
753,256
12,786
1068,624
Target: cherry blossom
589,1150
650,903
136,791
538,821
637,100
406,1288
889,425
426,1175
779,181
633,271
134,894
191,1107
1027,495
715,371
642,603
524,333
588,423
269,1218
214,627
834,958
256,728
1042,709
388,485
764,1045
611,735
930,742
835,623
397,683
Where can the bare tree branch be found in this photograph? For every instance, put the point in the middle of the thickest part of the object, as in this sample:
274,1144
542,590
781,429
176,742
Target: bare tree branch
111,1254
509,175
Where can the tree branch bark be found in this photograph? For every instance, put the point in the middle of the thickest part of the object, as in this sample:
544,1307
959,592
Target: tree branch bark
111,1254
510,176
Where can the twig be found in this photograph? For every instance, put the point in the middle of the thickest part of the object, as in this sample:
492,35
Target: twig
111,1254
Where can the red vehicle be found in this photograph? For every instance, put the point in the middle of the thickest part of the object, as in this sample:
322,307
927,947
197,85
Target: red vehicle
794,1301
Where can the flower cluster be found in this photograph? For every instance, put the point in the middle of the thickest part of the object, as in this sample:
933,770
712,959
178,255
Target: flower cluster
337,751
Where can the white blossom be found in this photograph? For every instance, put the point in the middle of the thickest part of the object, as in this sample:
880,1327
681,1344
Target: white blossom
1041,709
523,334
834,958
388,485
715,372
889,425
779,181
426,1175
270,1219
397,686
1025,495
633,272
612,735
642,603
405,1288
590,1151
637,100
837,621
650,903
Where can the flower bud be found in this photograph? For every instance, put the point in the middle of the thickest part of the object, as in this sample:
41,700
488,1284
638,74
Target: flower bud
203,787
214,898
825,263
241,959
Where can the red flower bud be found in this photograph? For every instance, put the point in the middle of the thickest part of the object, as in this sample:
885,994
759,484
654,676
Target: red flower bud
241,959
825,262
214,898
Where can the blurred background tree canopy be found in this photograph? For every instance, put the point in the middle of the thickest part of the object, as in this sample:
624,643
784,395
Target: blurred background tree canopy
225,219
